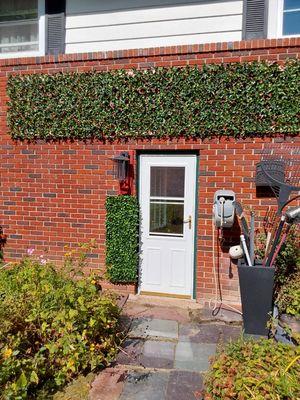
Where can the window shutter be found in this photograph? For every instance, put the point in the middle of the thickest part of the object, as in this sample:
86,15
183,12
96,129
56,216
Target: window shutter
255,17
55,33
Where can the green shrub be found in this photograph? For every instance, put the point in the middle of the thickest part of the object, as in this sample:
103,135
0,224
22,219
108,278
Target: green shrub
122,223
254,370
288,259
236,100
51,329
288,300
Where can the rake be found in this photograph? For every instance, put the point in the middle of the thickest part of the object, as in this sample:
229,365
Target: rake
269,220
280,166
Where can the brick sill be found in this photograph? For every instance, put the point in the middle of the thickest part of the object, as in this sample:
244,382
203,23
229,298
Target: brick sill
156,51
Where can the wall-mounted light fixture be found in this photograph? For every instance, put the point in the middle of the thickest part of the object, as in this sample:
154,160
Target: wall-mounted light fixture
121,166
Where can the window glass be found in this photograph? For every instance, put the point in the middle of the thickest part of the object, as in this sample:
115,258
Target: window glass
167,200
291,4
167,182
166,218
18,25
291,17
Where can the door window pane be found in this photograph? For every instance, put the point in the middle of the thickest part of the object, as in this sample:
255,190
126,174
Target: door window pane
166,218
167,181
291,17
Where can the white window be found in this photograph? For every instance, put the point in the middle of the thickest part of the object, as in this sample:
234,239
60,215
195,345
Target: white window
291,18
284,18
22,28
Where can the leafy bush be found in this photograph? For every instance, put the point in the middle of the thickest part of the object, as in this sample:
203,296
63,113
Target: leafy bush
254,370
122,223
238,100
288,259
76,258
52,327
288,300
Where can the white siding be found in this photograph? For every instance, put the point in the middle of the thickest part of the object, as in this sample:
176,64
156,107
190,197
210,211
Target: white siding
94,25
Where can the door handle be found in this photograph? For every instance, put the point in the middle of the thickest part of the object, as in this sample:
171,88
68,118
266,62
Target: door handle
189,221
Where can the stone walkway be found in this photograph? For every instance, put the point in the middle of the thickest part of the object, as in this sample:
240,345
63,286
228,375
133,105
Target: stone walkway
164,356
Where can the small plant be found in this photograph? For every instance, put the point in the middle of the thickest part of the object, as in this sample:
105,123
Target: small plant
288,259
52,328
254,370
288,300
76,258
122,223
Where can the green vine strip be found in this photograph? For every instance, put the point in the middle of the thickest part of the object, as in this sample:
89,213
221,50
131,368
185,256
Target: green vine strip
236,100
122,222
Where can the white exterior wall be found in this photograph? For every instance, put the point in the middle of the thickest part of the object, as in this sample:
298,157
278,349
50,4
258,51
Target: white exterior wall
102,25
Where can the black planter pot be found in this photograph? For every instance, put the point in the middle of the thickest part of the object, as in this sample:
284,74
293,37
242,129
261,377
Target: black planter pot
256,285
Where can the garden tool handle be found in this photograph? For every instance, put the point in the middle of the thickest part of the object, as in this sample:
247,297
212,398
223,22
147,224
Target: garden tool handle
276,240
284,236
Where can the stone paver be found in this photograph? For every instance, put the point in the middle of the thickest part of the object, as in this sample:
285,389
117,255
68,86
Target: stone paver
139,328
165,354
199,333
131,352
145,386
158,354
134,310
193,356
184,385
230,333
204,315
144,328
208,333
108,385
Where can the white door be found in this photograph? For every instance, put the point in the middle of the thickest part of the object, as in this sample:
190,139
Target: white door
167,232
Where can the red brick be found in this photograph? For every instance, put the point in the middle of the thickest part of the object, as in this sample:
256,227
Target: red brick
77,212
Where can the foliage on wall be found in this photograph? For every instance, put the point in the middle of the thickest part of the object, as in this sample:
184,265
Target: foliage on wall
237,100
122,222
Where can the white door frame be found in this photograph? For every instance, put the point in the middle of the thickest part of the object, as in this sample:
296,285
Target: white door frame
189,161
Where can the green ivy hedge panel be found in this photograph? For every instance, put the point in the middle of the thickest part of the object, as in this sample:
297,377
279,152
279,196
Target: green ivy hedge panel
122,222
236,100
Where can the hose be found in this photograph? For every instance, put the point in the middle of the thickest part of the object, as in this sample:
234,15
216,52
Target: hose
217,303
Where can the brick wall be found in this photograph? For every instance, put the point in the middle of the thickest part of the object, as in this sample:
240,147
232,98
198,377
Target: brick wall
53,194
